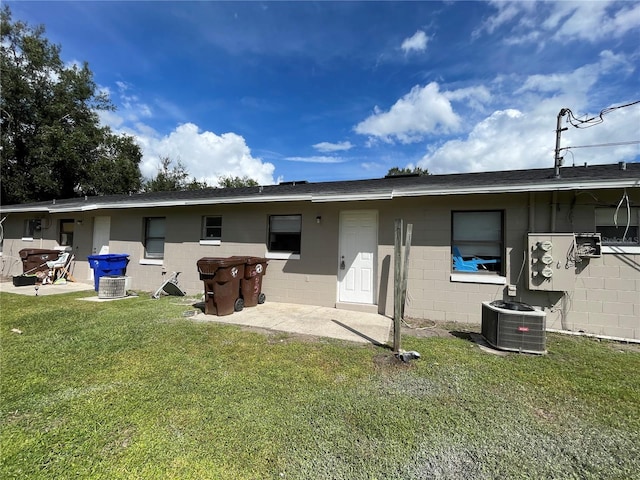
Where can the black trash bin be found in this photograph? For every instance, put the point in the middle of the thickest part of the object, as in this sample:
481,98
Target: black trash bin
251,284
221,277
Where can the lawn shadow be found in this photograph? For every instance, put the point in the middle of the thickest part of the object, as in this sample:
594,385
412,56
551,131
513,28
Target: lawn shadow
462,335
362,335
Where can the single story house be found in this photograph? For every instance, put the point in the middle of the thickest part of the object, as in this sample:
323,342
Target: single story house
565,243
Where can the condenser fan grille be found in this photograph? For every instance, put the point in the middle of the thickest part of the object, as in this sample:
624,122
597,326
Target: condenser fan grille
515,329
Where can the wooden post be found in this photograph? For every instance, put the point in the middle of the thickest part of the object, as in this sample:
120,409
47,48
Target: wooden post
397,290
405,268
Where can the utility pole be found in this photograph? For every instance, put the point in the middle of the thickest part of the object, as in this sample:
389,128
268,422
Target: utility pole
558,159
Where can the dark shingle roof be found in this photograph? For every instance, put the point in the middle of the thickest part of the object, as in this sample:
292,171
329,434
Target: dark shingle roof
543,179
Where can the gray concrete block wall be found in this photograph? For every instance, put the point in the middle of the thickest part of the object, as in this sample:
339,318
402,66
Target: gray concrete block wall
605,300
607,297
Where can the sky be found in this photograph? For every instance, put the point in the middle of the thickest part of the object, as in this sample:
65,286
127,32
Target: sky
324,91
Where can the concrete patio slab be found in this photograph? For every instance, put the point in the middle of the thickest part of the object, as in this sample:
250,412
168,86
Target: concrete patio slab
311,320
48,289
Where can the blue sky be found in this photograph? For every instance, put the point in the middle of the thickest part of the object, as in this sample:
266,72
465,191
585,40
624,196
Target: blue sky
324,91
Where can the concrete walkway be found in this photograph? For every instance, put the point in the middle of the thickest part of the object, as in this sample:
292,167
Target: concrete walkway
311,320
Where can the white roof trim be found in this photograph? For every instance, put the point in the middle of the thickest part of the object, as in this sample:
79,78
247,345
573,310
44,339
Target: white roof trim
347,197
554,185
420,192
253,199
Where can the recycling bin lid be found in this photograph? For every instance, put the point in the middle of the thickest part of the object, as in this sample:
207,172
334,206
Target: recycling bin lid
108,256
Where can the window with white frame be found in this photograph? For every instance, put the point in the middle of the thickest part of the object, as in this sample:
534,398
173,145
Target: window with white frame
285,233
477,241
32,227
618,226
211,228
66,233
154,231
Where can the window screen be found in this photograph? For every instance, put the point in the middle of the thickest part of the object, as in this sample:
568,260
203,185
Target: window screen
477,241
285,233
618,226
211,228
154,237
66,233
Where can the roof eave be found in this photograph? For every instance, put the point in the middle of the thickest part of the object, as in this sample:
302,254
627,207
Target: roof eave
353,197
554,185
544,187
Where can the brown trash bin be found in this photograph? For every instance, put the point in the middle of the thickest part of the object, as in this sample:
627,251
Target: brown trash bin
251,284
221,278
35,259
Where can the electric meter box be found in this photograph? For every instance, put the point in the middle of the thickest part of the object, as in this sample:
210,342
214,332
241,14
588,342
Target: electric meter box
550,260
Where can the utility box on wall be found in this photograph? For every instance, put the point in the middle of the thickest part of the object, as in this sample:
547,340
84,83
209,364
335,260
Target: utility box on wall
550,260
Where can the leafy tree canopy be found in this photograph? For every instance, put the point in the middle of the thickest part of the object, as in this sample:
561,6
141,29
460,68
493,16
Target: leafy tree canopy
172,178
395,171
235,182
52,143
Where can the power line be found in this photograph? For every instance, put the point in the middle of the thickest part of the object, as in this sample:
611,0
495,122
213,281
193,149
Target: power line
633,142
590,122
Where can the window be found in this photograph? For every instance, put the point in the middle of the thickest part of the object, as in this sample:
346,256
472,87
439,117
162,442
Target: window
66,233
285,233
154,237
477,241
618,228
31,226
211,228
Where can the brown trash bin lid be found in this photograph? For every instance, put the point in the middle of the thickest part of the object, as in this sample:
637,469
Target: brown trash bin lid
28,252
255,260
209,265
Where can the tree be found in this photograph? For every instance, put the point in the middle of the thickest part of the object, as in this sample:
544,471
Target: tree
236,182
396,171
172,179
52,143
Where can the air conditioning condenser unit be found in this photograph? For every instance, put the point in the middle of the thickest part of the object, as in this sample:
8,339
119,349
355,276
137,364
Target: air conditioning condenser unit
514,326
113,286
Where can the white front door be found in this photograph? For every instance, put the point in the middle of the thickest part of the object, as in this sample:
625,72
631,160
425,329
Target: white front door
101,234
357,262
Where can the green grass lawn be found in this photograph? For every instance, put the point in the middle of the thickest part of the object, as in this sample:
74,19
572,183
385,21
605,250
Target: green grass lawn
134,389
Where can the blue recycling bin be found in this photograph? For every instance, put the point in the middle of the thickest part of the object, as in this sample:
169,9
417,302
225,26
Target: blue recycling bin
107,264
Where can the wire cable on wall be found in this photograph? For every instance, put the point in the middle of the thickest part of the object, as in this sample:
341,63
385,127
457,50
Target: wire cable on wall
625,198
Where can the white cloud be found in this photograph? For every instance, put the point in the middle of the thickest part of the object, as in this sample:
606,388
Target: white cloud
561,21
523,136
507,11
372,166
316,159
597,20
206,156
416,43
424,110
327,147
